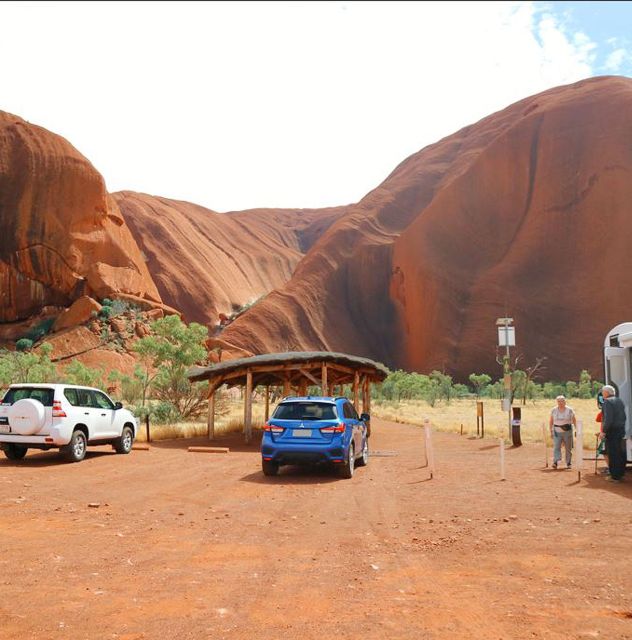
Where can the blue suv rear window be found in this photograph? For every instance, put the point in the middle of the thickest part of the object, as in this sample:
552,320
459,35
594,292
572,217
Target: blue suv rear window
305,411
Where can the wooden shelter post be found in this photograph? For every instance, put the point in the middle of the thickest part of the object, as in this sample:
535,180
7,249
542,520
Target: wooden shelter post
356,395
323,376
267,402
210,422
248,407
286,386
365,384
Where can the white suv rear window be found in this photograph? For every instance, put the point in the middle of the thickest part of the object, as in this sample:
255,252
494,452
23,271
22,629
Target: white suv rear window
45,396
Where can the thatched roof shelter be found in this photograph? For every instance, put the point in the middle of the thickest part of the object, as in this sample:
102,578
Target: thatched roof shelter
294,371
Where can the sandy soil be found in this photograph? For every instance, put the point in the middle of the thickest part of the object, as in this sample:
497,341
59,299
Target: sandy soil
190,545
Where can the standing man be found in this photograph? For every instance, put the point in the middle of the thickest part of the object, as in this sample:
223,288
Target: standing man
613,426
561,426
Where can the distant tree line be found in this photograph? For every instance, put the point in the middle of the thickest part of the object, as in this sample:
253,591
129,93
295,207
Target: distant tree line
439,387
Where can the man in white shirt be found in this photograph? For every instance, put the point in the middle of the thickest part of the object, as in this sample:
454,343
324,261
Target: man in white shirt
561,426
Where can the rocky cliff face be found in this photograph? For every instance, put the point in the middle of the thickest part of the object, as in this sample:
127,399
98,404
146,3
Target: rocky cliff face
526,213
62,235
206,263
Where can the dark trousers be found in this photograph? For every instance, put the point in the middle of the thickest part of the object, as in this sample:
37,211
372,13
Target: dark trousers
616,453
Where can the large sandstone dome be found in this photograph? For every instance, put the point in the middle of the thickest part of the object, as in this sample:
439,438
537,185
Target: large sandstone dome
527,213
206,263
62,235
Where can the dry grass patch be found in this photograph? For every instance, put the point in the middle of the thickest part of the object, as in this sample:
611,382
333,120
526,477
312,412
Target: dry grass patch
450,417
230,422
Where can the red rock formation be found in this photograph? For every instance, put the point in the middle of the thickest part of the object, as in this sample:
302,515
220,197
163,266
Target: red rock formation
525,213
205,263
81,310
72,342
62,235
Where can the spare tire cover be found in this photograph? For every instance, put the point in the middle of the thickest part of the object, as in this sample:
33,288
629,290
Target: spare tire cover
26,417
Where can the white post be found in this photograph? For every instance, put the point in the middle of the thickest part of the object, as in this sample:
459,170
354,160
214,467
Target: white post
429,451
579,450
546,447
501,444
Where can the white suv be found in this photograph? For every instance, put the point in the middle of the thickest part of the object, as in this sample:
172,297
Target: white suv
68,417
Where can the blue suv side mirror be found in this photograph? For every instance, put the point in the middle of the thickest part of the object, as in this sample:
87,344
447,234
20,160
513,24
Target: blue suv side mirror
365,417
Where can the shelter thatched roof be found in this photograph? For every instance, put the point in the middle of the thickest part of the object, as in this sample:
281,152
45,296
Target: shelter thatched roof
275,368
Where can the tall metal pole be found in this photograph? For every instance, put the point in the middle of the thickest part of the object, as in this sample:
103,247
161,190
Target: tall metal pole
508,373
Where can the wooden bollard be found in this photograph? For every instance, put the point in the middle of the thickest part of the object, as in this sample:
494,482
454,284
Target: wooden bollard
501,443
579,450
140,447
209,449
429,450
546,447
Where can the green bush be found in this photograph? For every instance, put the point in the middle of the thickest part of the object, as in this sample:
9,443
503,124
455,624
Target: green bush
40,329
29,366
78,373
165,413
106,312
24,344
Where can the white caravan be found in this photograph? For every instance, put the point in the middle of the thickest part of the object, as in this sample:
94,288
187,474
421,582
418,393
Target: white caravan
617,354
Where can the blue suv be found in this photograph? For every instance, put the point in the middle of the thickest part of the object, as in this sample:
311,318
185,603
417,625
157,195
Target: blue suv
309,429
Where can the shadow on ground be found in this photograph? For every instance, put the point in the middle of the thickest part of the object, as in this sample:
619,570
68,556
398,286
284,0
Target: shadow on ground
293,475
54,458
233,441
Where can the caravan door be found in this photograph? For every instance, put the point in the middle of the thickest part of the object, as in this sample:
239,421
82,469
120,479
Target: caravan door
619,375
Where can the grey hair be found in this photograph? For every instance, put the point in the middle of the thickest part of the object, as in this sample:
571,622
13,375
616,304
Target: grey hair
610,389
560,398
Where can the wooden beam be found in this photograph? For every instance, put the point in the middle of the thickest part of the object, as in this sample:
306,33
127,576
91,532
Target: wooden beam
286,386
302,388
323,377
214,385
310,377
356,394
248,408
210,423
335,366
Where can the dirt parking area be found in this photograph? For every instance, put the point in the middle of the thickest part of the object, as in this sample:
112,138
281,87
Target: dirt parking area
190,545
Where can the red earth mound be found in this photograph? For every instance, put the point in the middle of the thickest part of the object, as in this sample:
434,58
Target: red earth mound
206,263
62,236
525,213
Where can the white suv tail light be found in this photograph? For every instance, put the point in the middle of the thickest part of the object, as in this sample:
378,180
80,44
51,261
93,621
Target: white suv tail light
58,412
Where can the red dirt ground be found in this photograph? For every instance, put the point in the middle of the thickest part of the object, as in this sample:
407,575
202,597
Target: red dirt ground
189,545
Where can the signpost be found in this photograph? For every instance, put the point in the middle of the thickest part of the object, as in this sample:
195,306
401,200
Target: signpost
507,338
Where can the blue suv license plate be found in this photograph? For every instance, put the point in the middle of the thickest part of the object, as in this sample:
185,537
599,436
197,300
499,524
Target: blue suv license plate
302,433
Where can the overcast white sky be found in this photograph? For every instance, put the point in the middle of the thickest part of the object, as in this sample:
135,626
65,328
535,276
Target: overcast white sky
234,105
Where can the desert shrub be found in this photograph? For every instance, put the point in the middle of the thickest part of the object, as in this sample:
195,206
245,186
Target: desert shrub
105,312
120,307
17,366
78,373
24,344
40,329
165,413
